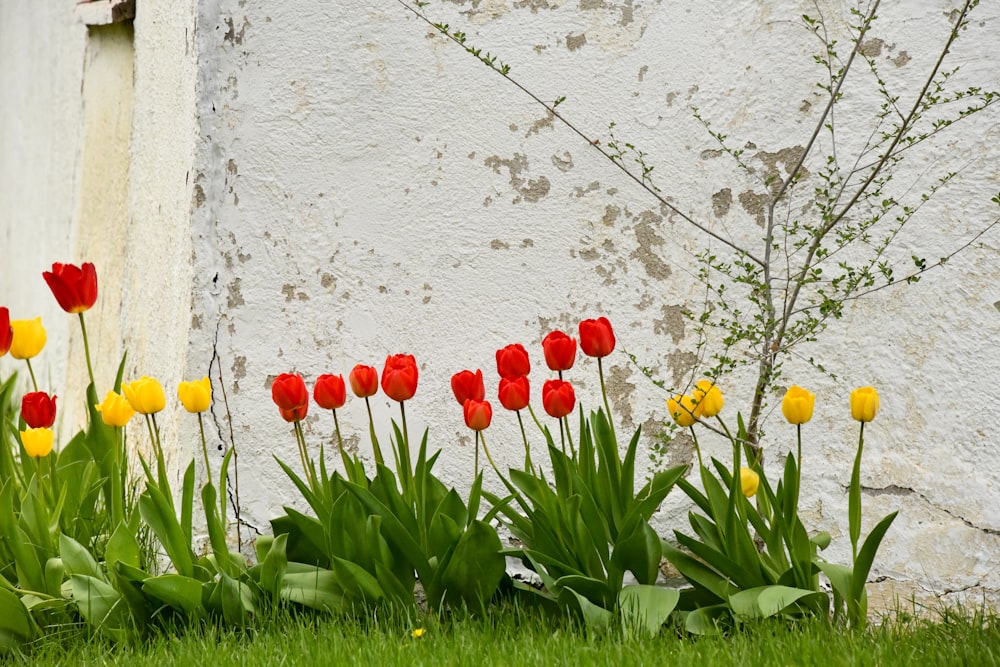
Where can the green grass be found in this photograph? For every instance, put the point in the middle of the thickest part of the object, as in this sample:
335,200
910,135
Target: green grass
506,638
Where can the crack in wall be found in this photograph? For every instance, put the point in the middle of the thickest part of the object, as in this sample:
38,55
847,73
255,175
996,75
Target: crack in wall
896,490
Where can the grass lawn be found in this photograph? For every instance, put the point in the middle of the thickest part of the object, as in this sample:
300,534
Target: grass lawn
507,638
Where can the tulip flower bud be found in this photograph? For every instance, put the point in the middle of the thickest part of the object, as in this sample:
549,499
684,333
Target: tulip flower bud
560,351
478,414
330,392
749,481
115,410
797,405
466,385
399,377
145,395
597,339
558,398
28,338
864,404
682,409
75,288
514,393
195,396
38,410
513,362
37,441
6,331
289,393
709,399
364,381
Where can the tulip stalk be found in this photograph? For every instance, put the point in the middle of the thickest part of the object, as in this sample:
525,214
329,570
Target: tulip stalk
371,431
854,496
86,350
31,372
527,449
604,394
204,447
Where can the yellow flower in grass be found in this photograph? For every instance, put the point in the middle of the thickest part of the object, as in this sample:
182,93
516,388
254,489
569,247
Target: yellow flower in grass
195,396
864,403
115,410
29,338
37,441
682,409
709,398
797,405
418,633
749,481
145,395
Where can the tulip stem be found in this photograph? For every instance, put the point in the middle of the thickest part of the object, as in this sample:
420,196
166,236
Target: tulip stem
607,406
340,444
531,411
569,438
86,351
300,442
486,451
697,449
854,497
404,449
527,449
475,459
562,436
204,448
371,431
31,372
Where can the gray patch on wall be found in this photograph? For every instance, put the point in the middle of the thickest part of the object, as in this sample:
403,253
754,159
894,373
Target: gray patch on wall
647,240
528,190
721,201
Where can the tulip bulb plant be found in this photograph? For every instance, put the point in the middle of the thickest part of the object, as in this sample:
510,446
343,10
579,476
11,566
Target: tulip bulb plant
755,559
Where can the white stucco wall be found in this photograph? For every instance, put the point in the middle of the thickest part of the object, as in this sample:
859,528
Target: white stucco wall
357,186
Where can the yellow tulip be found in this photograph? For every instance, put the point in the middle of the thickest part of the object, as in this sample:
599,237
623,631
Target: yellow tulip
864,403
37,441
797,405
29,338
145,395
115,410
749,481
682,409
195,396
709,398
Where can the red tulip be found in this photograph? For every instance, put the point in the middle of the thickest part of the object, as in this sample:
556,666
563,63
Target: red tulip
6,331
512,361
514,394
364,381
560,351
596,337
291,396
466,385
38,410
478,414
330,392
558,398
399,377
75,288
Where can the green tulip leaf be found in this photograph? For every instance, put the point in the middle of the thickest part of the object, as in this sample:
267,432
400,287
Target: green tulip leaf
17,628
646,607
178,591
102,606
356,582
706,621
475,568
594,617
766,601
77,559
313,587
